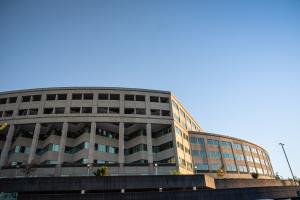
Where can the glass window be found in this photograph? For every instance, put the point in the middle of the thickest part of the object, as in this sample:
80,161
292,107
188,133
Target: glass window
48,110
141,111
237,146
214,154
239,157
101,147
12,99
8,113
201,141
253,150
61,96
243,169
50,97
228,155
165,113
202,166
194,140
164,100
26,98
246,147
114,96
155,112
249,158
88,96
212,142
230,167
74,110
203,154
22,112
215,166
102,110
33,111
176,117
3,100
102,96
225,144
129,97
129,110
36,97
178,131
175,106
140,98
195,153
76,96
154,99
114,110
86,110
59,110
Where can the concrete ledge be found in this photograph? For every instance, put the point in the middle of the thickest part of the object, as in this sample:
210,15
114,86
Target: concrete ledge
246,183
205,194
105,183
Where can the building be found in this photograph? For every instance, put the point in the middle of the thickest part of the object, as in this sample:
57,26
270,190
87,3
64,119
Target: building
73,131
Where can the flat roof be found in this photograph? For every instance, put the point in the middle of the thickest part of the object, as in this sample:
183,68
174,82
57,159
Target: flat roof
84,88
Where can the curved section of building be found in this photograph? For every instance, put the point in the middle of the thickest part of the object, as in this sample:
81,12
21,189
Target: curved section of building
235,157
74,130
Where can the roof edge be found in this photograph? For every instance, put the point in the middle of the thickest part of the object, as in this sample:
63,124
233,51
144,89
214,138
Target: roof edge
83,88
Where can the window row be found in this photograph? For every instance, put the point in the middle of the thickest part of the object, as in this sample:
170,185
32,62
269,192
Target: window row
184,163
181,133
75,149
106,149
136,148
85,110
197,153
48,147
162,147
185,121
183,148
83,96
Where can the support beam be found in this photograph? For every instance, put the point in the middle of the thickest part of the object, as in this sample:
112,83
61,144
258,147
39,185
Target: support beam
92,142
121,147
35,140
4,153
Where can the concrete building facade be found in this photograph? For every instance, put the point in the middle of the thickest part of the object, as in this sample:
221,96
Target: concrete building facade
72,131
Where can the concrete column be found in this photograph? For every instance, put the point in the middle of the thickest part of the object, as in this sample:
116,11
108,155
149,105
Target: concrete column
34,142
121,147
62,143
148,105
149,148
149,143
95,103
7,145
92,142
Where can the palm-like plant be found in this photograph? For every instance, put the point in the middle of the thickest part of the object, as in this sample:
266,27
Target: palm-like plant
102,171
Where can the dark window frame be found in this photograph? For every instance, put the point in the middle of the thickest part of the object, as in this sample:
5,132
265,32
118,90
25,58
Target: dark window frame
103,96
129,97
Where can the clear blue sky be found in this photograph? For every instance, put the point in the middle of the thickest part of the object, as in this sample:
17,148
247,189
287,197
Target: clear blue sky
235,65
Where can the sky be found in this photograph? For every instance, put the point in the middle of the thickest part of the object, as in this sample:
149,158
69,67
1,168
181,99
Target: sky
235,65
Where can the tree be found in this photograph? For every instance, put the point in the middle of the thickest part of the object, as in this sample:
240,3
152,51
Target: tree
29,169
175,172
221,172
254,175
277,176
102,171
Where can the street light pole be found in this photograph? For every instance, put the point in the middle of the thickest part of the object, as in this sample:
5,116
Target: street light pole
88,168
282,145
155,165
